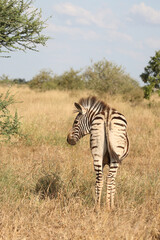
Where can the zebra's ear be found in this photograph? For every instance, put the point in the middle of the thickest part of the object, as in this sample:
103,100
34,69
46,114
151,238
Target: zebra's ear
80,108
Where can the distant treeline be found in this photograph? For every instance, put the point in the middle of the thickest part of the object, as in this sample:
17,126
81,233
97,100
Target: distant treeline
101,77
5,80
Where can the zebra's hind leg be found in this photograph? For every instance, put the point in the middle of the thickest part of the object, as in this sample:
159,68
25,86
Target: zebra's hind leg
111,185
98,186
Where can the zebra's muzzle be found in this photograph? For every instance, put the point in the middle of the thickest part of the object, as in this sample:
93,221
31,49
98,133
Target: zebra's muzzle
70,140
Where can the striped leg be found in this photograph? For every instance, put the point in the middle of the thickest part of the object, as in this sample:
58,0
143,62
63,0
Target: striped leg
111,185
98,185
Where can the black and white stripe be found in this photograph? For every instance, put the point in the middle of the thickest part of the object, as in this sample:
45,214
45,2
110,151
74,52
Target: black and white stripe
108,141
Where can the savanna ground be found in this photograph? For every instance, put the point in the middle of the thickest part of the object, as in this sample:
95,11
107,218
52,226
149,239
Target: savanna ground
47,186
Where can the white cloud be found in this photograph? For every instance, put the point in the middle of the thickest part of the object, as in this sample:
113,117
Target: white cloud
133,54
108,51
69,22
80,33
103,18
78,17
153,42
74,11
146,13
115,35
75,32
138,44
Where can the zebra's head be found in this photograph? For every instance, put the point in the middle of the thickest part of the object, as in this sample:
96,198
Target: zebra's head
80,125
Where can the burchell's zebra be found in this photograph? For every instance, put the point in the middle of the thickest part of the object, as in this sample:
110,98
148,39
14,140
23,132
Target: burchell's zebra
108,141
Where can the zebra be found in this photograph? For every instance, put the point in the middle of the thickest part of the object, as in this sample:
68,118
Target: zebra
109,142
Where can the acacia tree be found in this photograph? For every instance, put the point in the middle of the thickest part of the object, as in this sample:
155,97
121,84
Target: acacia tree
151,75
20,26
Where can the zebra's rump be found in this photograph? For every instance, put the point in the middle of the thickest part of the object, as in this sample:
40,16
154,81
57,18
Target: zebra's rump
116,132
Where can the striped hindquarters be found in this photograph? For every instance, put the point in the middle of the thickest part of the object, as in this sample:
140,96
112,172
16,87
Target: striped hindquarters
117,139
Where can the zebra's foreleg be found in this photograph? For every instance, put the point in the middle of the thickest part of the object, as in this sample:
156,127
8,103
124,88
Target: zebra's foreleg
111,185
98,186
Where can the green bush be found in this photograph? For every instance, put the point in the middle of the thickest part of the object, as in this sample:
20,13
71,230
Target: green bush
106,77
9,125
70,80
43,81
67,81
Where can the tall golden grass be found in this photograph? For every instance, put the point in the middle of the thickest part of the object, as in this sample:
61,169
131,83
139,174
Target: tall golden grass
30,207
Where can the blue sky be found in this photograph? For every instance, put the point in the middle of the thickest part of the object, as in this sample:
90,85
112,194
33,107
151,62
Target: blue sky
124,32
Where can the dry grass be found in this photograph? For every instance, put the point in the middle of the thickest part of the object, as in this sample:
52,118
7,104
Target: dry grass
44,156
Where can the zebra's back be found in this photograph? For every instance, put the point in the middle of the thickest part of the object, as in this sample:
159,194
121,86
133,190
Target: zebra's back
116,132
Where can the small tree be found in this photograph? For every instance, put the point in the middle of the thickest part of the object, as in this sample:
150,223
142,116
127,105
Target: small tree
43,81
20,26
9,124
107,77
70,80
151,75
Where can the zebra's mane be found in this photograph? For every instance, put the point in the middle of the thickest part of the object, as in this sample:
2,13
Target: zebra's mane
92,102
